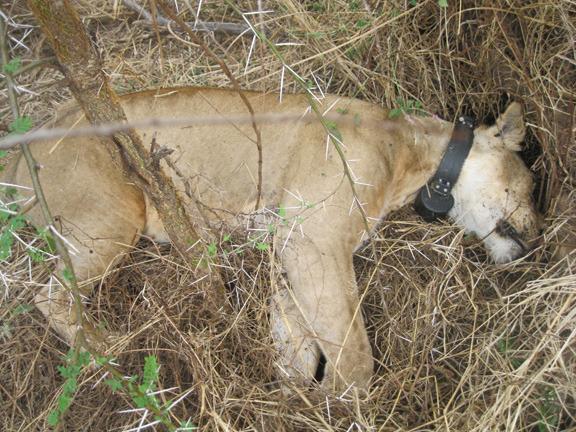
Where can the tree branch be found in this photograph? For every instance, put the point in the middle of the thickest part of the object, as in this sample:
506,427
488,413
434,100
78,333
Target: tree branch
61,249
82,68
111,128
206,26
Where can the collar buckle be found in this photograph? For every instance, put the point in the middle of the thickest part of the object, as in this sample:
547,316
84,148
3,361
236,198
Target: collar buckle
441,186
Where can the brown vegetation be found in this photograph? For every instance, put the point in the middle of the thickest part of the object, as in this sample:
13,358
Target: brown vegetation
461,344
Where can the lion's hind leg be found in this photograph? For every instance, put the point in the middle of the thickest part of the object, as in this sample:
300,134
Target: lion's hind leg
90,259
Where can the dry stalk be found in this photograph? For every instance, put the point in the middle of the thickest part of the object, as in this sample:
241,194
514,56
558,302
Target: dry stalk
460,344
111,128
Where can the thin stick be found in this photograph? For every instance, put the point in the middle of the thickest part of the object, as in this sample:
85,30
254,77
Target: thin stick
205,26
49,61
80,340
186,28
111,128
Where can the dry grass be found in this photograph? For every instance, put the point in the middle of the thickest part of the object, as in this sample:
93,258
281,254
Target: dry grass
460,344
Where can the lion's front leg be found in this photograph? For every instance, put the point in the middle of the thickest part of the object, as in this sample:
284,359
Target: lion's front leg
299,354
321,312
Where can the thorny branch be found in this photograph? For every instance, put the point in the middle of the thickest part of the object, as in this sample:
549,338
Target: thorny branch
184,27
71,282
330,129
81,65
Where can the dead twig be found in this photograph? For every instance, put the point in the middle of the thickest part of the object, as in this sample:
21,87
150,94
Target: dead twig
204,26
157,154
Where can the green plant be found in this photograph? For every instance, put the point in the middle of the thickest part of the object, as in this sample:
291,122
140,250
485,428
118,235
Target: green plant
317,7
12,66
143,392
76,360
409,106
549,411
506,347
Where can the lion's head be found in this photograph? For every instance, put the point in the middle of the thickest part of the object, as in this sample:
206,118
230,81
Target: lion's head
493,196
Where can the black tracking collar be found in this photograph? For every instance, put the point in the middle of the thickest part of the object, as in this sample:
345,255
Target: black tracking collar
435,200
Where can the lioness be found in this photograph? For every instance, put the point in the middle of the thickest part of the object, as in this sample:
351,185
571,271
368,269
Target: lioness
320,223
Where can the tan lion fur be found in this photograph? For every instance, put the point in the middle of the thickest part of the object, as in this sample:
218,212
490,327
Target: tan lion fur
305,196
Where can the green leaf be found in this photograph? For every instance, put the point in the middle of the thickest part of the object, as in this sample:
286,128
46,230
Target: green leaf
45,235
3,153
20,309
333,130
394,113
102,360
64,403
12,66
11,192
17,222
53,418
354,5
20,125
4,215
65,371
70,355
6,241
282,212
362,23
114,384
151,369
36,255
140,401
83,358
262,246
67,274
133,378
443,3
212,249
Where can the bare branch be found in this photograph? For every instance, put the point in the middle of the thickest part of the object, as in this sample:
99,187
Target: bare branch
111,128
82,67
72,283
184,27
206,26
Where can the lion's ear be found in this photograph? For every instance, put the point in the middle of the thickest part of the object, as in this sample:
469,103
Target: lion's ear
509,128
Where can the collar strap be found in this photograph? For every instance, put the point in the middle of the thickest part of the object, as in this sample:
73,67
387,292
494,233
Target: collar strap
435,199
